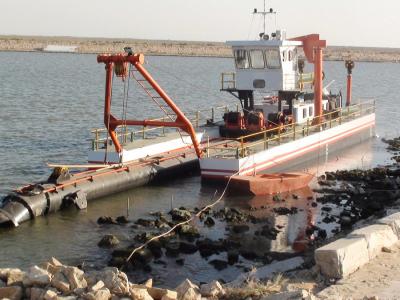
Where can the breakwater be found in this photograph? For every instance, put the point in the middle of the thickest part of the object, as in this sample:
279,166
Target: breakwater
179,48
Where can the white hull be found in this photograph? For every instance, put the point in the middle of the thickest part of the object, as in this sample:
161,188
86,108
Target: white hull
220,168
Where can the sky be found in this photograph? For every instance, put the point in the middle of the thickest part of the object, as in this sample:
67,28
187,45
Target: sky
340,22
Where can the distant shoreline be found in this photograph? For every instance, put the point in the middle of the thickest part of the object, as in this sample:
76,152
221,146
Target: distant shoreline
178,48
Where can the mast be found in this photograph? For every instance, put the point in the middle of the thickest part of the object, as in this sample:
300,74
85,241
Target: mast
264,13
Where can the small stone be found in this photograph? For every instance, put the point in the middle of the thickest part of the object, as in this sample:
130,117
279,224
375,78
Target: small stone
212,289
117,282
108,241
149,283
188,231
180,261
209,222
6,271
140,294
145,223
387,250
99,285
180,214
233,257
11,292
219,264
171,295
106,220
122,220
240,228
50,295
188,291
162,294
60,282
75,277
187,248
101,294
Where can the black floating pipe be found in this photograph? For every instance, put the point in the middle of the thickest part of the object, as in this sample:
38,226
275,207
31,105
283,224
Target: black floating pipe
20,207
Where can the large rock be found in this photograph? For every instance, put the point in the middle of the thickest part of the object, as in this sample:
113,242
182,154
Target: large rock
212,289
99,285
188,291
393,221
342,257
52,266
15,277
108,241
75,277
162,294
37,277
11,293
4,273
180,214
140,294
100,294
117,282
61,282
377,236
37,293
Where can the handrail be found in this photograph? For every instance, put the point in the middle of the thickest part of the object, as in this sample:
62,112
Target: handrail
195,117
296,129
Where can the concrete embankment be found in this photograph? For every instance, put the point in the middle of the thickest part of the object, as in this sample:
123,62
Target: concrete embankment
344,256
179,48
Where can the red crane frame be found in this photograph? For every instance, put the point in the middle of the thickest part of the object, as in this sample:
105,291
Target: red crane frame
312,47
111,122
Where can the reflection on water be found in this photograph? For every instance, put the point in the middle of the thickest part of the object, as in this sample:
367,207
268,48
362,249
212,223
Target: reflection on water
48,118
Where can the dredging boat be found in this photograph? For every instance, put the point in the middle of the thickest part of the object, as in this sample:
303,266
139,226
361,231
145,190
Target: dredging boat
293,120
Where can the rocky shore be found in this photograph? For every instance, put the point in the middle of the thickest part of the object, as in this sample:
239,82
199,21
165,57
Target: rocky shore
345,200
179,48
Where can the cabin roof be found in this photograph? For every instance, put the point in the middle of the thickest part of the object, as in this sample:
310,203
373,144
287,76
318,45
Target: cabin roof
264,43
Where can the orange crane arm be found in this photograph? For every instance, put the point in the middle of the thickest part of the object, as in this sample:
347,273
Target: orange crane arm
119,61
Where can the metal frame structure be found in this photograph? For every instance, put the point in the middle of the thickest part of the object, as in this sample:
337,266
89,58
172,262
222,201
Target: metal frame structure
119,62
312,47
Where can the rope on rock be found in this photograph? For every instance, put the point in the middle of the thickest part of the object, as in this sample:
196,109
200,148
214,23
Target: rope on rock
183,223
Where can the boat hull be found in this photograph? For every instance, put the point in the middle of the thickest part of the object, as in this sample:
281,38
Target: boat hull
283,157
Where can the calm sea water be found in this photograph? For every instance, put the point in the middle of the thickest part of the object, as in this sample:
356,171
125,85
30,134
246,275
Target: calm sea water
49,103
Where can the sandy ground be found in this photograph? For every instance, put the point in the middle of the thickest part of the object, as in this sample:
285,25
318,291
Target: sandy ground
182,48
380,279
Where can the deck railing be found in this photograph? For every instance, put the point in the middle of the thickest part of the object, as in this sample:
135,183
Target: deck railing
245,145
127,135
228,81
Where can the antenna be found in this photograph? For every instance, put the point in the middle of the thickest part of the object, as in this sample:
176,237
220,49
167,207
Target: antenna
264,14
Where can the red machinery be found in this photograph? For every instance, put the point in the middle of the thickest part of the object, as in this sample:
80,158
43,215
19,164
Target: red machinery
120,64
255,121
312,47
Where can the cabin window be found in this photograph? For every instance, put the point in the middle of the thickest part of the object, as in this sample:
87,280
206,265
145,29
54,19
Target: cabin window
242,59
310,111
290,55
273,59
257,59
304,113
